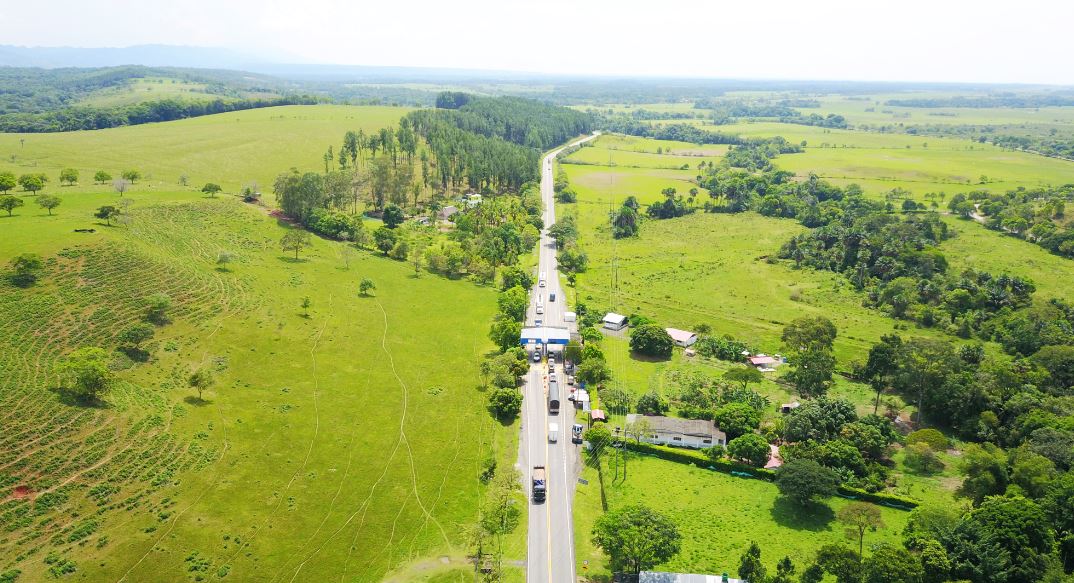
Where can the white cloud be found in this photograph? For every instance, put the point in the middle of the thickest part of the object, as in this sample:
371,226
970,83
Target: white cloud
928,40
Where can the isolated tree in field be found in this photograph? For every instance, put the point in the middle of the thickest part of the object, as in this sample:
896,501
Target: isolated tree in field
68,176
305,304
744,375
802,480
32,182
750,448
10,203
859,518
131,175
100,177
201,380
132,338
26,268
750,567
295,240
384,239
86,373
223,259
784,571
107,213
7,181
636,538
651,340
366,286
157,307
211,189
47,202
121,185
183,180
393,216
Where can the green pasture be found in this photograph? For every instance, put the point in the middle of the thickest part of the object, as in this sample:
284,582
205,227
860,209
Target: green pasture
230,149
149,89
709,268
342,444
718,515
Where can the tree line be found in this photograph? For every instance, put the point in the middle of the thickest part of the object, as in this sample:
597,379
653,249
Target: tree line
1034,215
75,118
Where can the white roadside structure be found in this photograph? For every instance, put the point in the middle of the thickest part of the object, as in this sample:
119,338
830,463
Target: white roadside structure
692,433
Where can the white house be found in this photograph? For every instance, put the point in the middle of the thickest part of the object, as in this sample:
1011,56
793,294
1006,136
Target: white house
472,199
662,577
613,321
682,338
695,433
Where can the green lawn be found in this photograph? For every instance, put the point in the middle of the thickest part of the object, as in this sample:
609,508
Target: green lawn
231,149
718,516
346,444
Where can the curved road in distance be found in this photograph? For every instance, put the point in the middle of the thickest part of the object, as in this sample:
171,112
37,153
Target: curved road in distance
550,534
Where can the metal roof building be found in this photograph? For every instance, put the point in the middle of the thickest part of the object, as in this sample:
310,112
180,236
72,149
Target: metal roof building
545,335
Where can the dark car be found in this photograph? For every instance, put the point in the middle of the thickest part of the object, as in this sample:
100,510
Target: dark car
576,433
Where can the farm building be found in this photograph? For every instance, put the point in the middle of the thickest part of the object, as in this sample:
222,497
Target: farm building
683,338
447,212
597,415
473,199
662,577
613,321
695,433
788,407
765,363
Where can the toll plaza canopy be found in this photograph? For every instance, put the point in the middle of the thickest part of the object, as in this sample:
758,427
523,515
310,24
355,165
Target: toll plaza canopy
545,335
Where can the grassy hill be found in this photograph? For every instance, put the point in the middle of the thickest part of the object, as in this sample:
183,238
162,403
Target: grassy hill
232,149
342,441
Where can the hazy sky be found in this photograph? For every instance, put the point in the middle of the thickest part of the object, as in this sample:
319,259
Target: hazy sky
935,40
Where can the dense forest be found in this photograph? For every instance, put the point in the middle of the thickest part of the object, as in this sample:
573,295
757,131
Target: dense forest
783,111
493,143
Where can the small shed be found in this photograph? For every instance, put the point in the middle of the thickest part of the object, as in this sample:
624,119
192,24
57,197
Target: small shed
613,321
597,415
569,316
472,199
683,338
788,407
764,363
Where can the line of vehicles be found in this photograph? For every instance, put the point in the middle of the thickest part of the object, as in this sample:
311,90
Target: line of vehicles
540,475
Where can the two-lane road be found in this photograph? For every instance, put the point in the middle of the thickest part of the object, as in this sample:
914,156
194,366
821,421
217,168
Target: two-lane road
550,545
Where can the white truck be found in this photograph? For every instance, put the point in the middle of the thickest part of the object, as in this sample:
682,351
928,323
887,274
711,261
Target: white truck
540,304
542,280
553,432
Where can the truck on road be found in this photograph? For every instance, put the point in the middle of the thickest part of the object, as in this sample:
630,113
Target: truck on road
540,484
553,432
553,398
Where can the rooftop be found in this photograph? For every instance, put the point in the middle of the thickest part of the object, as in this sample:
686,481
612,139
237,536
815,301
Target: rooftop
662,577
675,425
614,318
680,335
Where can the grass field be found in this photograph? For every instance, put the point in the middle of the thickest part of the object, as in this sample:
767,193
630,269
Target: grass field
232,149
149,89
718,516
345,444
707,268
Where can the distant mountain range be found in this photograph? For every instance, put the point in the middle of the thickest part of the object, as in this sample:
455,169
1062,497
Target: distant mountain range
148,55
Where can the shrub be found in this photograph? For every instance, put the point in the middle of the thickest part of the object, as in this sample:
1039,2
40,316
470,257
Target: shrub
932,437
651,340
652,403
750,448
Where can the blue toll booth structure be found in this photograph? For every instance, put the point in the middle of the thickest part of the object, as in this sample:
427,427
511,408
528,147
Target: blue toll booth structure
545,337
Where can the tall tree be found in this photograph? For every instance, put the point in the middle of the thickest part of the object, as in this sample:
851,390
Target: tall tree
859,518
636,538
